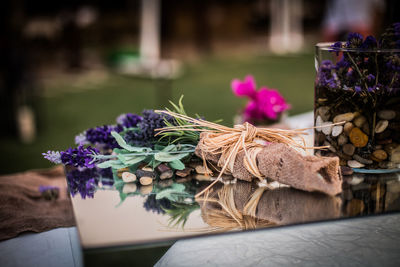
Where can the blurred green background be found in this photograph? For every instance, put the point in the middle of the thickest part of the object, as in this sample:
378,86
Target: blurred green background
69,108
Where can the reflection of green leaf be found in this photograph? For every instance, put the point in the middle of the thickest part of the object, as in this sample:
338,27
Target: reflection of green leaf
179,213
173,193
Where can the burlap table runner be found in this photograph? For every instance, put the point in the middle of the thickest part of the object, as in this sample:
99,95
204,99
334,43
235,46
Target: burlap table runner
22,208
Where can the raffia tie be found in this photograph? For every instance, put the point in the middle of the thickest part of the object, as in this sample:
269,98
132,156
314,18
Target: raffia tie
211,143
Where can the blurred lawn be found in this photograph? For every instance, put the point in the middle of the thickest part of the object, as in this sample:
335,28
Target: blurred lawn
205,84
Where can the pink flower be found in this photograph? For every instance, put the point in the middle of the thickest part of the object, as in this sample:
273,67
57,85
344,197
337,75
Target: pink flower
244,88
271,103
264,104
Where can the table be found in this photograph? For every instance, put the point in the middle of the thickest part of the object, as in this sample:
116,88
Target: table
127,223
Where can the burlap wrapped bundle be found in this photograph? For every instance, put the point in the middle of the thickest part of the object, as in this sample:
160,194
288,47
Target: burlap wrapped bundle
246,151
245,206
285,165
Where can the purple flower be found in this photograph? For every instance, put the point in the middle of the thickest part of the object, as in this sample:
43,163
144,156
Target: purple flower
396,27
44,188
354,40
80,139
53,156
357,89
369,43
371,77
336,47
129,120
102,135
79,157
343,63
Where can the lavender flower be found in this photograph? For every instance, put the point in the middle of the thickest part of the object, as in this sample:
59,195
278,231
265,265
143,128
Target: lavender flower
80,139
102,135
79,157
325,76
336,47
357,89
129,120
145,135
53,156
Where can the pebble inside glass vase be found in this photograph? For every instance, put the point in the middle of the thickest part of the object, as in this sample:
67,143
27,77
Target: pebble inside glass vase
357,103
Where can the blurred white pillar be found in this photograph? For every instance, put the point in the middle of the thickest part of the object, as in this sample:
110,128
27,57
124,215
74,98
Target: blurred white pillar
286,31
150,31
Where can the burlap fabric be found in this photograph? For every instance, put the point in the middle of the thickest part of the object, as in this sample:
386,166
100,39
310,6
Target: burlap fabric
284,164
280,206
22,208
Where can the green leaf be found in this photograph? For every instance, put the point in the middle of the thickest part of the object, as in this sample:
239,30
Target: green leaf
167,157
177,165
115,164
131,159
121,142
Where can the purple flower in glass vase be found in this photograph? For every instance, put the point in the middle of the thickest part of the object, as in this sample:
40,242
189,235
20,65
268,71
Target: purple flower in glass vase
370,78
369,43
336,47
354,40
357,89
247,87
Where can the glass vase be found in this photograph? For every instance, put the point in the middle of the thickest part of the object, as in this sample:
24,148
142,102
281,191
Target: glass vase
357,107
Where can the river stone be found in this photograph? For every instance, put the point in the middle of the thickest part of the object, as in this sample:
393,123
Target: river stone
348,126
362,160
318,122
354,164
358,138
395,155
128,177
348,149
337,130
342,139
381,126
327,127
389,148
330,147
323,112
379,155
346,170
387,114
320,138
344,117
359,121
365,128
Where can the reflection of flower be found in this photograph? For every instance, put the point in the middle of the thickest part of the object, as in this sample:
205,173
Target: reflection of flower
84,181
265,104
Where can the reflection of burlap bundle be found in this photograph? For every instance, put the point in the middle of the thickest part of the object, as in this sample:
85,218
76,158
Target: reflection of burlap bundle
285,165
244,206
